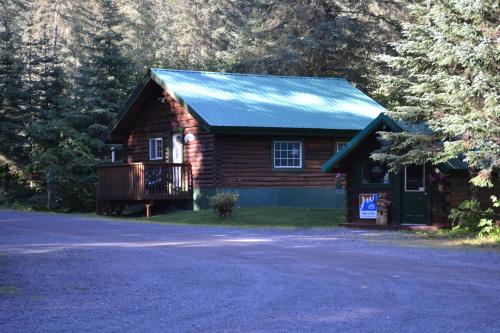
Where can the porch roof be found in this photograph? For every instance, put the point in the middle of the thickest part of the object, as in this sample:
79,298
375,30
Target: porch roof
455,164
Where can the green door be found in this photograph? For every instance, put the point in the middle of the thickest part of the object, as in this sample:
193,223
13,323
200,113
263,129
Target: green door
415,200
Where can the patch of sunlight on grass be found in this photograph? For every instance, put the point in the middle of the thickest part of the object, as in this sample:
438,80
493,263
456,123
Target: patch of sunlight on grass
460,238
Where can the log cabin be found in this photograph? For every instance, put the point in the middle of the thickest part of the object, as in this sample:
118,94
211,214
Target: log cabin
185,134
418,195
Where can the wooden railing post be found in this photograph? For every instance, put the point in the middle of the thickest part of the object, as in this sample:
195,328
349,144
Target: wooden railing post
143,182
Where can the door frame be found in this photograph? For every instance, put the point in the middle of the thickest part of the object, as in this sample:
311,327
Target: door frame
171,144
405,189
426,192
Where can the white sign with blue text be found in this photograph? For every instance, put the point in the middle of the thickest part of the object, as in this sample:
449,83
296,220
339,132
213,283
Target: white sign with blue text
368,206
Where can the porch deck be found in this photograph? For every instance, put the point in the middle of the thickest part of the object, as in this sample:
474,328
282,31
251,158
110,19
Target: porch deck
147,182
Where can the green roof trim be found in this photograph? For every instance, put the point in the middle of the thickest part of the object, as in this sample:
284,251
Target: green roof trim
452,165
358,139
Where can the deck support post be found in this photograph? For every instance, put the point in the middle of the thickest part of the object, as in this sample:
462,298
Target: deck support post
148,209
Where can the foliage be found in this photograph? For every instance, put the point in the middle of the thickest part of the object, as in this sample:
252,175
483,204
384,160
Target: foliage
460,237
66,67
12,90
446,76
223,202
469,215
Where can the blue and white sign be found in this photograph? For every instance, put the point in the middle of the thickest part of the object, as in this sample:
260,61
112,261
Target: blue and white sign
368,206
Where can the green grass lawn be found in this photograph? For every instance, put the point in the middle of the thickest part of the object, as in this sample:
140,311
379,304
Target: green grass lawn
259,217
460,237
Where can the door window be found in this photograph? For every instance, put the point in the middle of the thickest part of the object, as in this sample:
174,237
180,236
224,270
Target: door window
177,148
415,178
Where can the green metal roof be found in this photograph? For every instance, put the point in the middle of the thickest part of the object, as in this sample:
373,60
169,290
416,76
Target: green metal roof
334,161
455,164
224,100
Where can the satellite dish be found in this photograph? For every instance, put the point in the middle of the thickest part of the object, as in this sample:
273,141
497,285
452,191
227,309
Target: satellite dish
189,137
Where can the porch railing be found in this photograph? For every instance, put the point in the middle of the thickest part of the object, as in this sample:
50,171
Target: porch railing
144,181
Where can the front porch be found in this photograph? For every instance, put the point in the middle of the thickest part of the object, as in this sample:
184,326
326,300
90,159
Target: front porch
141,183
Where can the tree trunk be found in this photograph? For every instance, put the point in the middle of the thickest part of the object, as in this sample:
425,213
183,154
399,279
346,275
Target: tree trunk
6,180
473,189
49,190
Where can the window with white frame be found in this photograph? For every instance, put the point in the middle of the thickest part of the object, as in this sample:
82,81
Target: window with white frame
341,145
156,149
287,154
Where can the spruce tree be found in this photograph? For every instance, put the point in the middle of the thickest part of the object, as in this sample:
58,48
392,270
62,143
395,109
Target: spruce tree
62,163
447,76
105,73
12,91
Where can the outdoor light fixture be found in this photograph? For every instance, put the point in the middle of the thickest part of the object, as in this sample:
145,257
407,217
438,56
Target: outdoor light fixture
189,138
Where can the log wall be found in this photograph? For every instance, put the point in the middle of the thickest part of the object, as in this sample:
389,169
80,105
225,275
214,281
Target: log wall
161,119
246,161
229,161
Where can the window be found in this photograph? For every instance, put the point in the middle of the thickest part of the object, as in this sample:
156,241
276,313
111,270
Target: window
374,173
340,145
287,154
156,149
415,178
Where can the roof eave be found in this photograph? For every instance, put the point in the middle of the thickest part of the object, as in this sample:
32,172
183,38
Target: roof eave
108,134
335,160
179,100
283,131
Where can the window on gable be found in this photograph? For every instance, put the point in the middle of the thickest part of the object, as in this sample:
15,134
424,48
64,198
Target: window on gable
287,154
156,149
340,145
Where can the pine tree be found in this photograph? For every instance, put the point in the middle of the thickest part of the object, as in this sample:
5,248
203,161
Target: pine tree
105,73
150,35
12,91
447,76
61,160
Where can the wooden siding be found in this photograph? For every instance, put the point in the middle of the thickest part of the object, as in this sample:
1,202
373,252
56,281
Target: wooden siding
454,189
224,160
246,161
354,187
157,119
144,182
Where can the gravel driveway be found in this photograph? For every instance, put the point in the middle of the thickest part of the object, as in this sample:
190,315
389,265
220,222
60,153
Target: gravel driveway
73,273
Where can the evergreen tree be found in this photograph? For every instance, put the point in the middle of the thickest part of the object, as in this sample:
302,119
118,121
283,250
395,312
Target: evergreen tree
61,161
105,73
67,66
447,76
12,91
150,35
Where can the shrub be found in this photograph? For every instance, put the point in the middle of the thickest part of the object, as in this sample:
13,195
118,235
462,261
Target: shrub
471,216
223,202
